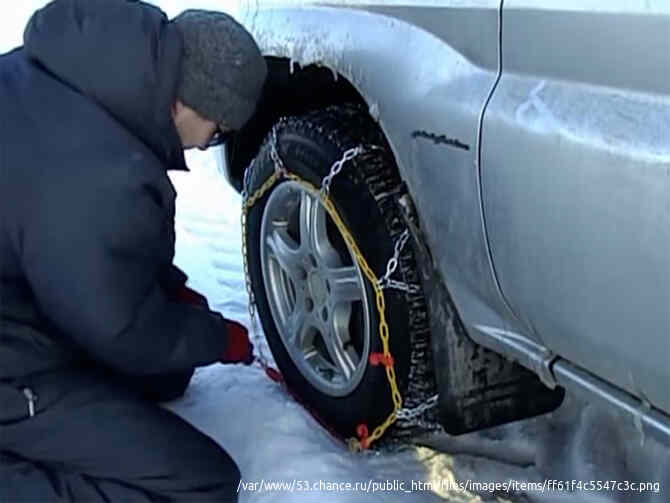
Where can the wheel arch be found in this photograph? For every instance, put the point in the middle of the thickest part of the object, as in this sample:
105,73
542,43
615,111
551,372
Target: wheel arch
290,89
321,55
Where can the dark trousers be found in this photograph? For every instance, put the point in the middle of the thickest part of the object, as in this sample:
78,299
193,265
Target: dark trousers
95,437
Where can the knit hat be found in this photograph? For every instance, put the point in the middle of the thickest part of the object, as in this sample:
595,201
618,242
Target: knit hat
223,71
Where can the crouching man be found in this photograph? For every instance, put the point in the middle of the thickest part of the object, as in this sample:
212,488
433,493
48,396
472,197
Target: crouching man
96,324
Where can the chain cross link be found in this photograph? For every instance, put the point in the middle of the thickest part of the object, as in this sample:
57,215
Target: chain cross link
274,152
337,166
407,413
386,281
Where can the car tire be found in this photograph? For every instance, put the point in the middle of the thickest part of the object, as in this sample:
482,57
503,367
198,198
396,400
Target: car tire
285,281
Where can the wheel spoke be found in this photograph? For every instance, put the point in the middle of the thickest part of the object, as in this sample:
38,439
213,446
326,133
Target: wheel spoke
287,253
296,327
314,358
341,317
306,218
345,286
313,230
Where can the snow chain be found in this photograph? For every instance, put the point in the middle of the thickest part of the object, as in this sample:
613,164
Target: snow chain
249,200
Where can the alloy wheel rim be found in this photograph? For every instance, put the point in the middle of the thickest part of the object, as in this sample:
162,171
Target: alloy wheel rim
315,290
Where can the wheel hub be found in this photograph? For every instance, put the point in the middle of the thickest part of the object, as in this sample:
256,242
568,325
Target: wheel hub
318,288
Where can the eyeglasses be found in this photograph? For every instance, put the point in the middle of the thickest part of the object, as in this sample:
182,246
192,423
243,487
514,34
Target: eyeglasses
220,137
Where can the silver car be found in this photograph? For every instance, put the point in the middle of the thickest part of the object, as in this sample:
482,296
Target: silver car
497,224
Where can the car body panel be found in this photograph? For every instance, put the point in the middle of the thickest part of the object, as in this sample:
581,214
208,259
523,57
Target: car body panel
576,184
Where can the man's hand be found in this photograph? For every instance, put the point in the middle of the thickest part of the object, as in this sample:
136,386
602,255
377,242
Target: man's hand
239,349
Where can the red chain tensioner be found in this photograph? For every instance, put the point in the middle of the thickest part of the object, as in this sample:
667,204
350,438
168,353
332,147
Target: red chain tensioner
274,374
381,359
363,433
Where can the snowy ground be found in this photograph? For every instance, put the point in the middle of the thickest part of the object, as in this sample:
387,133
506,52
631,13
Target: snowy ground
273,439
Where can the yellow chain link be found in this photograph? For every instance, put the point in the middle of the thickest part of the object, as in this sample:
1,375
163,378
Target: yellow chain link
354,444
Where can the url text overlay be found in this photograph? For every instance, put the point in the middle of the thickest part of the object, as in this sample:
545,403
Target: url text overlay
508,486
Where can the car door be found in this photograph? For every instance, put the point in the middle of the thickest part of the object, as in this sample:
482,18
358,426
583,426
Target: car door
576,184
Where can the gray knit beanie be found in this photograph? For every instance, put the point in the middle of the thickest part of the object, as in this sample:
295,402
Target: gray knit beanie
223,71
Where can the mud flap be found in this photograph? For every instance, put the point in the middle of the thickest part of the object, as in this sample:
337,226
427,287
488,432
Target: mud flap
478,388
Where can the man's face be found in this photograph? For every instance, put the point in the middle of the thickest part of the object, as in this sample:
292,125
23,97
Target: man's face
194,130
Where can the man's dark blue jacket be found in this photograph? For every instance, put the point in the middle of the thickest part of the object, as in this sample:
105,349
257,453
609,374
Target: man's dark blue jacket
86,207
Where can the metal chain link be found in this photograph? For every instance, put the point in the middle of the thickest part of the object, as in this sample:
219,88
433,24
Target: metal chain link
386,281
392,264
407,413
274,152
337,167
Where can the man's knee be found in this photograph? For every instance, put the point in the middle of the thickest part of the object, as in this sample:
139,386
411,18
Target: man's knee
212,476
220,466
228,481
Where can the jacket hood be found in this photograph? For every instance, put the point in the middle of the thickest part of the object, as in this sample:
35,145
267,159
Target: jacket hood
123,54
